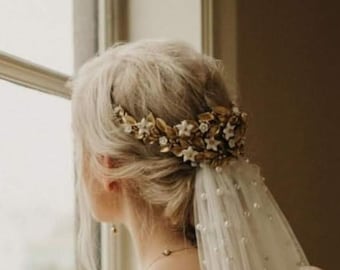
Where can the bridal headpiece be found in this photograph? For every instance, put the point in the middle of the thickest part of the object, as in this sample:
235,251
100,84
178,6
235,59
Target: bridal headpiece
215,137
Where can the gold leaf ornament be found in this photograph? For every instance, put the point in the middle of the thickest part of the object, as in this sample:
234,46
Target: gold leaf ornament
161,125
206,117
127,119
151,119
214,129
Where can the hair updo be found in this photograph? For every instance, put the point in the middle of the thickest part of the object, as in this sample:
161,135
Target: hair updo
169,79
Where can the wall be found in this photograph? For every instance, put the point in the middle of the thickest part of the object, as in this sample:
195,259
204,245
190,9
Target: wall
287,65
165,19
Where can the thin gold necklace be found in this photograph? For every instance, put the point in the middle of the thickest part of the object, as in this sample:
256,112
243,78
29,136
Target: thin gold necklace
166,253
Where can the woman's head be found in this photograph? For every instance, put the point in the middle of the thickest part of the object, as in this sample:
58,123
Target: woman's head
167,78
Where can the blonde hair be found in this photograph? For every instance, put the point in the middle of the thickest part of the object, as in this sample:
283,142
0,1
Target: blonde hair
168,78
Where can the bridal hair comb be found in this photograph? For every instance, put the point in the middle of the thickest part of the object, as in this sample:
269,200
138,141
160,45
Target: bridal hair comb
216,137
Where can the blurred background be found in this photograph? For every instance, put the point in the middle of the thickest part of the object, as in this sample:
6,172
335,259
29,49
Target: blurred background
282,57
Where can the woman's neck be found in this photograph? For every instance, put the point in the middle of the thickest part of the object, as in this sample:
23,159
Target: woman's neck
151,242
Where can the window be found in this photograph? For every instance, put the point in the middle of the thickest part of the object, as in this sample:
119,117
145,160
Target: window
37,202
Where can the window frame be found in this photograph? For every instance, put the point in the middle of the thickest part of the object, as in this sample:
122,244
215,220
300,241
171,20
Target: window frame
31,75
109,21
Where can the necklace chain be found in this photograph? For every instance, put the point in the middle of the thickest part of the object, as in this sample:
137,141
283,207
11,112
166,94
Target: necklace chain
166,253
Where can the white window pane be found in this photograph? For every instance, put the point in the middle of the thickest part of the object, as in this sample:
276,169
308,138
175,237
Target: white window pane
40,31
36,181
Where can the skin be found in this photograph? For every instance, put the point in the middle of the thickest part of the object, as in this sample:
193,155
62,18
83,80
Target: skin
110,202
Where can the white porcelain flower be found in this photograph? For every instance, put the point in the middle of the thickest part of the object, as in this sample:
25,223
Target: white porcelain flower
189,154
127,128
212,143
228,131
203,127
144,127
231,143
163,140
184,128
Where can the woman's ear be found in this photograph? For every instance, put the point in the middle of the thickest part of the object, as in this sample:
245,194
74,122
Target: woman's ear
110,185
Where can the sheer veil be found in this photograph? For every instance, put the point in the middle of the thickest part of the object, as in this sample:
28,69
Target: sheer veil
239,226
